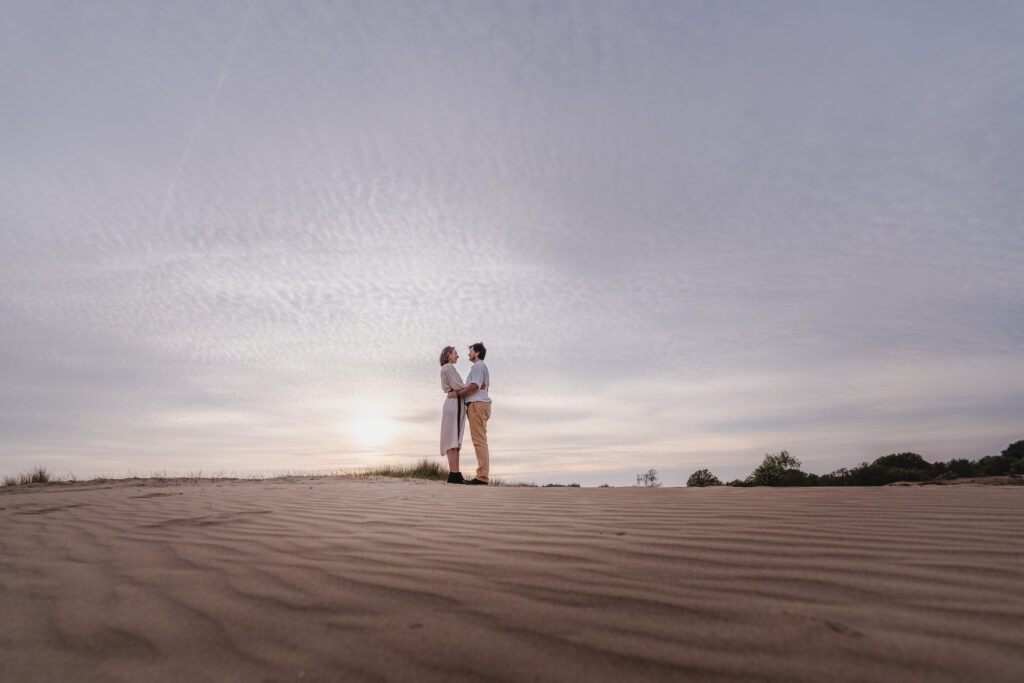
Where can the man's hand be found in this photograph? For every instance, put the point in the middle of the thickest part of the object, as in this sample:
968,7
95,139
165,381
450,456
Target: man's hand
469,389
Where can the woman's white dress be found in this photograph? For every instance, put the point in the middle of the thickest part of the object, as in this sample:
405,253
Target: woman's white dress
453,416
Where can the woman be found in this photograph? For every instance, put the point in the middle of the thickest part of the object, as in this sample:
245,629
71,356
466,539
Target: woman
453,416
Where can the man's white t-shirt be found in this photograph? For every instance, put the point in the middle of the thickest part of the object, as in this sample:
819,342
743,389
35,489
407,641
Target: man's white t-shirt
481,376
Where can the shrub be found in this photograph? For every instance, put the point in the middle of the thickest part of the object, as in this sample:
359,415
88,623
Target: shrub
702,478
895,474
797,478
994,465
840,477
904,461
961,467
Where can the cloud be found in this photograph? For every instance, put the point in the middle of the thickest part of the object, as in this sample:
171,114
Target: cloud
685,232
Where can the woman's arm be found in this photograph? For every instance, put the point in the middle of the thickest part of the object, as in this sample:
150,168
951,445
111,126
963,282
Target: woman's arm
463,391
450,381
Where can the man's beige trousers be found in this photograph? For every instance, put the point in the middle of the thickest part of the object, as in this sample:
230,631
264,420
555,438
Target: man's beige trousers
479,414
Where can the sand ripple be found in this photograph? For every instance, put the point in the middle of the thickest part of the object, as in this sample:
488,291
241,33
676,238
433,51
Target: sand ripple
334,579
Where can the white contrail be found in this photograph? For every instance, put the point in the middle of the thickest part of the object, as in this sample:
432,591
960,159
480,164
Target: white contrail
201,120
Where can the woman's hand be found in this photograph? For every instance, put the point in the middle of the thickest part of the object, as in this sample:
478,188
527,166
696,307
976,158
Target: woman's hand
451,394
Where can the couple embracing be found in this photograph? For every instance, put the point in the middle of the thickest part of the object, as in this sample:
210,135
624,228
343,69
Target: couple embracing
465,399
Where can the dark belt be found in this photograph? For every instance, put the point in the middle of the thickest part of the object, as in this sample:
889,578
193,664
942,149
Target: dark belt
459,423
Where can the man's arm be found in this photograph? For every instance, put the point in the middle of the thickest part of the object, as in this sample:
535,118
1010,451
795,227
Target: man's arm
464,391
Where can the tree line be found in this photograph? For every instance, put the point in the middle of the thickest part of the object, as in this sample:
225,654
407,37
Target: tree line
782,469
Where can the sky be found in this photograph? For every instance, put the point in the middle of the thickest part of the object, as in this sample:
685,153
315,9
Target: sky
235,236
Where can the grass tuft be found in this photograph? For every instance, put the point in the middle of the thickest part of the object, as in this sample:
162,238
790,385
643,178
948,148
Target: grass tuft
424,469
498,481
40,475
37,475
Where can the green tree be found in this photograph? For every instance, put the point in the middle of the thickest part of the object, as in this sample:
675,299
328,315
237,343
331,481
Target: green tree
777,469
703,478
1015,451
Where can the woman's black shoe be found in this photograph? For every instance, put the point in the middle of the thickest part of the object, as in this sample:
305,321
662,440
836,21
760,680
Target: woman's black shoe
456,478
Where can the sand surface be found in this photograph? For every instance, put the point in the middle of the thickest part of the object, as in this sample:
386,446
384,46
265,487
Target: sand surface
341,579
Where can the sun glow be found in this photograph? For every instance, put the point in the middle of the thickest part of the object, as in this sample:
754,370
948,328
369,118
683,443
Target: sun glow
373,430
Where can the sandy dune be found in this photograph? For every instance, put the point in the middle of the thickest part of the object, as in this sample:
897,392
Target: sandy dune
341,579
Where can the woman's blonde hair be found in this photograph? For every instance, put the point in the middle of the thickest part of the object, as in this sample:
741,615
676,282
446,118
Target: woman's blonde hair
445,352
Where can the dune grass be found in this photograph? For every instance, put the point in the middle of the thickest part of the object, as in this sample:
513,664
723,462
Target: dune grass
431,469
37,475
41,475
498,481
424,469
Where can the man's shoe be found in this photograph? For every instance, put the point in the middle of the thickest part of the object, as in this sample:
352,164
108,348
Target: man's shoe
456,478
477,482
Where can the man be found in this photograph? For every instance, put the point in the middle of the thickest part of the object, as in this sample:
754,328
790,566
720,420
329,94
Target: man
478,409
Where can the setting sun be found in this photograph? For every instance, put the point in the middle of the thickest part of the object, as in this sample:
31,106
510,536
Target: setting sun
374,430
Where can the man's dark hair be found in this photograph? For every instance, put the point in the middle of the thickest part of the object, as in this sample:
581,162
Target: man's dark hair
480,349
